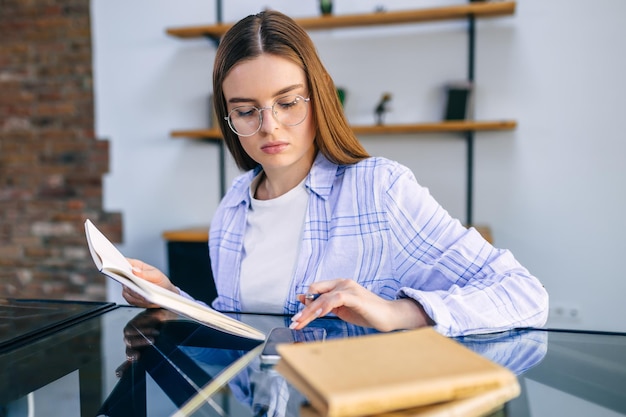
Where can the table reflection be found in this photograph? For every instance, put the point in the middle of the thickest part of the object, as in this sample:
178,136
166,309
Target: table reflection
184,357
126,361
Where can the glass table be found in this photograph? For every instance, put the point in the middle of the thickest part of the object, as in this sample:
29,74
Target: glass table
109,360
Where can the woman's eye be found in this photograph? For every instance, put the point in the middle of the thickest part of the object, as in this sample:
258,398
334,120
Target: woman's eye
245,112
287,104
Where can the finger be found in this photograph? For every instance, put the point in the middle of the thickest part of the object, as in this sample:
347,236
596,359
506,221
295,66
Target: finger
138,266
320,299
139,299
138,341
144,270
324,286
132,355
139,330
307,298
137,263
119,371
131,296
135,299
316,289
302,319
144,332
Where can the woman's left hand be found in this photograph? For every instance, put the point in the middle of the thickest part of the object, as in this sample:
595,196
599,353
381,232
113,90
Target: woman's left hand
353,303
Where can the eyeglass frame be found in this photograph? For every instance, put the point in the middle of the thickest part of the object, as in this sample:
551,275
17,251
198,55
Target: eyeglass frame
260,111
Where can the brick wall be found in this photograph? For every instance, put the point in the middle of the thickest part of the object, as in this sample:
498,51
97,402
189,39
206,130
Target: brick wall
51,165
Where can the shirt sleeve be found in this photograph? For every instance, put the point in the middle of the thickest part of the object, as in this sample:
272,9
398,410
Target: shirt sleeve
463,283
189,297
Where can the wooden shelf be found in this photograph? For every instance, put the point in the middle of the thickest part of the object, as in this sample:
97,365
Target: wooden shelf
214,134
436,127
485,232
192,234
478,9
443,127
200,234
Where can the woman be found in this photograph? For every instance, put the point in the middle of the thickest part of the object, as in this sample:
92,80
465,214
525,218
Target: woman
315,214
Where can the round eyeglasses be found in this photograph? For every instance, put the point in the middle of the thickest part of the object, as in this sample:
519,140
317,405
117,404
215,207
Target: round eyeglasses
288,111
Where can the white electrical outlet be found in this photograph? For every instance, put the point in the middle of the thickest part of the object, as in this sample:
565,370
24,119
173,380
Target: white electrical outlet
564,313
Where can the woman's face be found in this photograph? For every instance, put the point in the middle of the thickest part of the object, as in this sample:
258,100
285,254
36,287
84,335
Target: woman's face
261,82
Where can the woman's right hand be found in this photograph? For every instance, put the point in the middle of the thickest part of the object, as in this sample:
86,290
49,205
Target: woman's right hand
149,273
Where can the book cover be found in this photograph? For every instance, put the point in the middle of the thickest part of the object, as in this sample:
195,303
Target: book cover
387,372
479,405
113,264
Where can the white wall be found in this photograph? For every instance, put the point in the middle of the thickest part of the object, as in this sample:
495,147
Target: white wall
552,191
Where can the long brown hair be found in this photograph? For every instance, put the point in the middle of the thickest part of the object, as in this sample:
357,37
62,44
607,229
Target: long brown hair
274,33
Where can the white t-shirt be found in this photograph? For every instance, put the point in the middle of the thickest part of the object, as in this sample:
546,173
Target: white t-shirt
270,249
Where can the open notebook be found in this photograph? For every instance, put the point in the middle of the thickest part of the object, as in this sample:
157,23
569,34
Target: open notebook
113,264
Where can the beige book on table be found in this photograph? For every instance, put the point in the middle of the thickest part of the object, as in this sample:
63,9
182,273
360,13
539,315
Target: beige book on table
479,405
385,372
113,264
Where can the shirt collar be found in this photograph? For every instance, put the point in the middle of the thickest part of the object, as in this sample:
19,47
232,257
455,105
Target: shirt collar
320,181
322,176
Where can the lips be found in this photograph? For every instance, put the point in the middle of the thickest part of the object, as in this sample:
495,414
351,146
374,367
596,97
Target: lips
274,148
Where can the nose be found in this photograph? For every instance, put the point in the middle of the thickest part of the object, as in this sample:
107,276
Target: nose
268,121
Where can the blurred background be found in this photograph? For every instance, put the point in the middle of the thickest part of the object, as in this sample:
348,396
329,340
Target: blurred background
90,92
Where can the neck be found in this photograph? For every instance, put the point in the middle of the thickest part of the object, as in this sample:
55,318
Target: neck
273,185
279,180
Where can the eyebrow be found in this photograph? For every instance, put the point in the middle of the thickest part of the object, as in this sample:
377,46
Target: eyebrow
280,92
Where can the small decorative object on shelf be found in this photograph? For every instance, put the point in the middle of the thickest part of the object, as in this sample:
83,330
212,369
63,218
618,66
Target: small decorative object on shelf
458,101
326,7
341,93
382,108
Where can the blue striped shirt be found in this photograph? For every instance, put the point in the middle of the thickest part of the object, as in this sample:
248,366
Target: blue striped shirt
372,222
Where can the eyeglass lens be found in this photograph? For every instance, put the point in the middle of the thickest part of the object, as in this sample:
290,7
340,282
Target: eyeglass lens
288,111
